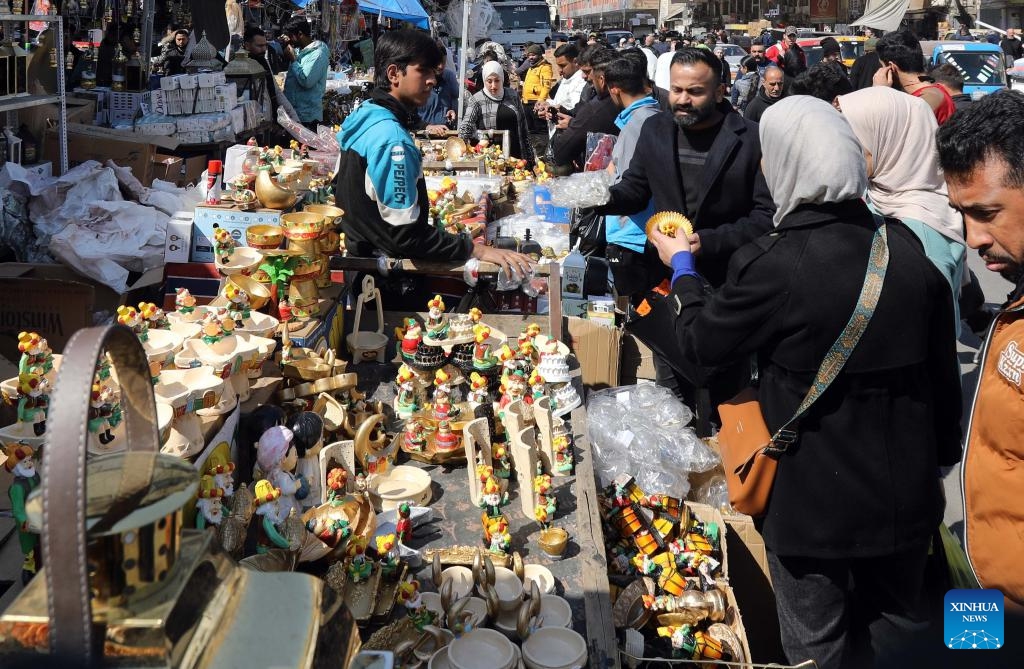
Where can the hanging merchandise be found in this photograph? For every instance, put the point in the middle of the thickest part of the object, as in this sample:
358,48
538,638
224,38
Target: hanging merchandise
348,20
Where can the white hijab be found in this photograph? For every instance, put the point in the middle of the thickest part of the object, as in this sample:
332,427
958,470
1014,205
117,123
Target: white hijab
899,131
809,155
493,67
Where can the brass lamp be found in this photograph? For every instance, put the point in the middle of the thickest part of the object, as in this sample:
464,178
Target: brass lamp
249,77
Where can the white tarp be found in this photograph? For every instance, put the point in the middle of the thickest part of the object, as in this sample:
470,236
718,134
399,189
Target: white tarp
883,14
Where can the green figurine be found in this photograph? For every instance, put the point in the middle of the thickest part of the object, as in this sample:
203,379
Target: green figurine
20,462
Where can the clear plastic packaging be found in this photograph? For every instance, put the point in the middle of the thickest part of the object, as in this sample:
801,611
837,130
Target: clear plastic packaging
580,190
714,492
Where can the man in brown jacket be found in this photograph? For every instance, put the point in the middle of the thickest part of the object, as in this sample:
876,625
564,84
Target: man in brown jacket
980,150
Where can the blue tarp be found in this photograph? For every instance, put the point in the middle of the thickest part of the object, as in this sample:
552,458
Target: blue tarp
403,10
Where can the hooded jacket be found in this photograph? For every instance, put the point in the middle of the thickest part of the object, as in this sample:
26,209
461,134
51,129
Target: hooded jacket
306,81
381,188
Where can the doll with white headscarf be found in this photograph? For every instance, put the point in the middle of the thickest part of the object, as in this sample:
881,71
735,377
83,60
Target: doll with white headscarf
276,458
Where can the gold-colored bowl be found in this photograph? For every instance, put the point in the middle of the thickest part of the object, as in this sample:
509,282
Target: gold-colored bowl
553,541
330,213
306,369
259,294
264,237
303,225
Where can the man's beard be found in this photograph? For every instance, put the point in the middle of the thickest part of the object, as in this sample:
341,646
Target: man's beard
695,114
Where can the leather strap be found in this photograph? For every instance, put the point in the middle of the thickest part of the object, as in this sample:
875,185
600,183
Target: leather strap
840,352
64,479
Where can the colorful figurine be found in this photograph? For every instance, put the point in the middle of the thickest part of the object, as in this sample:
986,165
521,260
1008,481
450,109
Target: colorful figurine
514,389
477,389
404,526
563,454
359,568
475,315
238,304
415,440
154,315
445,441
337,480
387,552
502,465
497,535
493,499
209,503
222,472
408,595
130,318
104,414
437,324
442,408
35,354
689,643
21,464
407,403
507,358
268,505
33,400
483,359
308,439
536,382
411,339
276,458
184,303
223,244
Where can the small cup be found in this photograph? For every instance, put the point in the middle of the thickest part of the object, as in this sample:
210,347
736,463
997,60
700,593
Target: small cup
508,587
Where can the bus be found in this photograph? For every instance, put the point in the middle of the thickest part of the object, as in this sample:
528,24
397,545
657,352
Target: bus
519,22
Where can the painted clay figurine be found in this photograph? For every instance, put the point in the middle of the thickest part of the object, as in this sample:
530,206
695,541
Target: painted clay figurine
185,304
437,324
33,401
238,304
415,439
154,315
407,403
21,464
483,359
209,503
104,414
308,439
442,407
273,516
35,353
223,244
130,318
223,473
445,441
477,389
403,529
276,458
411,339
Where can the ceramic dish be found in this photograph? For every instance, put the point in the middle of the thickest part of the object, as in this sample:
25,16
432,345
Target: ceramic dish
482,648
555,648
540,575
243,260
508,588
462,581
440,660
555,612
399,484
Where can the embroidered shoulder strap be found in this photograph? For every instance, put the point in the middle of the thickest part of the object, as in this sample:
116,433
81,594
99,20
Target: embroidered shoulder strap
843,347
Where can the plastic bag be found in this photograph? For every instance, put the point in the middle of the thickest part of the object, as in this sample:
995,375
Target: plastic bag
581,190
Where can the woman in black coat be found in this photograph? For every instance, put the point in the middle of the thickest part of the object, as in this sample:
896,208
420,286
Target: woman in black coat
856,498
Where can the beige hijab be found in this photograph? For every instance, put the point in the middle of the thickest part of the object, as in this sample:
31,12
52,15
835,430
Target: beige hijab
809,155
899,131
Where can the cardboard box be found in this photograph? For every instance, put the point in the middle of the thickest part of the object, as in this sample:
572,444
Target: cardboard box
597,350
80,110
55,301
326,330
230,218
178,170
126,149
752,585
178,242
575,307
636,361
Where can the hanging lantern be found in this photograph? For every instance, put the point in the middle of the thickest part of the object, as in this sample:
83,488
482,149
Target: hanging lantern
250,80
17,6
89,70
133,74
83,6
7,77
118,71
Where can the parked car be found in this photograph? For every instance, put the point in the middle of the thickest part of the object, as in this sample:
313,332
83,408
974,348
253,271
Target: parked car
559,37
852,48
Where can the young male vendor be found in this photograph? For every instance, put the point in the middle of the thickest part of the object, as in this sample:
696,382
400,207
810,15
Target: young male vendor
380,181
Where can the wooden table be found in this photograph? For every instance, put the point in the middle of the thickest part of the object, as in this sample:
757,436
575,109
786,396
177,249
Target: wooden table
551,272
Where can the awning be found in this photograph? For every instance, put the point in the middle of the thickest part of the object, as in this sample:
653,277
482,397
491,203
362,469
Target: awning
883,14
403,10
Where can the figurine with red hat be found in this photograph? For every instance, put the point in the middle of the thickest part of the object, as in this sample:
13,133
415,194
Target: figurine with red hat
21,463
209,503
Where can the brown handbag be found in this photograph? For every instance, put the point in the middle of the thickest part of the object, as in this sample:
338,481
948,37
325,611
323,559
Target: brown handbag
750,453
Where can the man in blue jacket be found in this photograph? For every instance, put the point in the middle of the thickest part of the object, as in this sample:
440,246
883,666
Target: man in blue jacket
306,81
380,179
